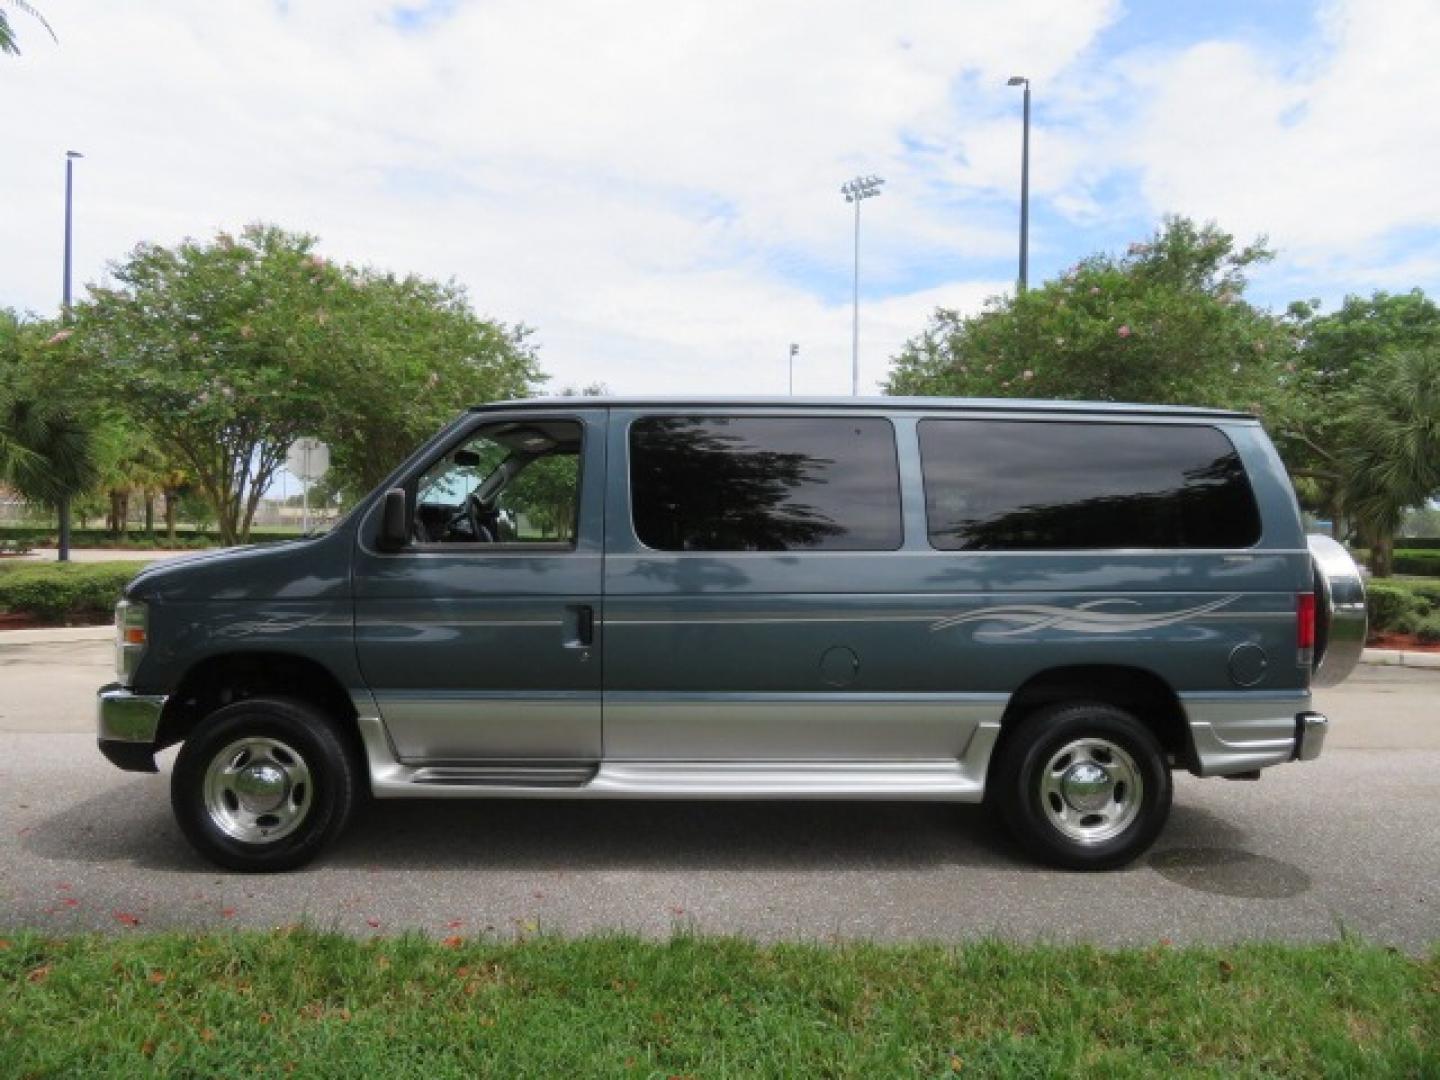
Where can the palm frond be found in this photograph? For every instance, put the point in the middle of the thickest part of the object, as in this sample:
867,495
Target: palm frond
45,453
7,32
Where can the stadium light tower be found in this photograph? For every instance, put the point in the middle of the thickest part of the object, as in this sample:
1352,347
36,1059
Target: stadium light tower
857,191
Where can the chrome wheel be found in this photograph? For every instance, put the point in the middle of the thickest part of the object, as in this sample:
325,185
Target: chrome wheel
258,790
1091,790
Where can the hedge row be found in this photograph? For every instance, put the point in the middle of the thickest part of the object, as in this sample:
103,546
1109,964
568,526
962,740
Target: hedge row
31,536
1405,607
1417,561
65,592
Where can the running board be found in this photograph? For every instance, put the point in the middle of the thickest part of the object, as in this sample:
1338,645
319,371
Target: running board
546,776
953,780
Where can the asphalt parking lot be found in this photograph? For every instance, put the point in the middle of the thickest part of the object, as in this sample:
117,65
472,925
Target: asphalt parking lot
1347,844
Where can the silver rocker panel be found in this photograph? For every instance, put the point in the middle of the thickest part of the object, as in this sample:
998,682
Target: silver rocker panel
951,780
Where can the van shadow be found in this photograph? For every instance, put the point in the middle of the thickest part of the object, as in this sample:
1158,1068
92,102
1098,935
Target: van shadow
1205,853
631,835
131,824
125,823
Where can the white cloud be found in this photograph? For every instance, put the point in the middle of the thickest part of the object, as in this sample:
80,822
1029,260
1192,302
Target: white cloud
1333,154
652,184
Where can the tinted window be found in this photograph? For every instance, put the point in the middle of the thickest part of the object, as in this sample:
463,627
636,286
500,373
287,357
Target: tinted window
764,484
1004,485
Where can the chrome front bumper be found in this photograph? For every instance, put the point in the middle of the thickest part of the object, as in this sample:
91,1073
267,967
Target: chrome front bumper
128,724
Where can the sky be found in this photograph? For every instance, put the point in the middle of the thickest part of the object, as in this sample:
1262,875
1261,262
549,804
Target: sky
653,186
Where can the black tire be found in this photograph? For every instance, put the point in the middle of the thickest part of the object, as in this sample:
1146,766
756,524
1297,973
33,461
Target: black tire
1018,784
312,812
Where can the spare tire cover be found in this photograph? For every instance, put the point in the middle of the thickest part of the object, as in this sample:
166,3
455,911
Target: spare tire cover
1341,621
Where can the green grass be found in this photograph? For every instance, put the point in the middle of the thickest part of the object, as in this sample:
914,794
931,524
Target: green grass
326,1005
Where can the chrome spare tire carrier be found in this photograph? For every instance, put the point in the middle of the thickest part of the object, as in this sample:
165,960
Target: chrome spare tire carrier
1341,622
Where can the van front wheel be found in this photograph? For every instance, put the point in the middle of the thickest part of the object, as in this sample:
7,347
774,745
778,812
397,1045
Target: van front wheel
1083,786
263,785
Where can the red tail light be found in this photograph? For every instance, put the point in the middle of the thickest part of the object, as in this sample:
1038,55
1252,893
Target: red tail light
1305,627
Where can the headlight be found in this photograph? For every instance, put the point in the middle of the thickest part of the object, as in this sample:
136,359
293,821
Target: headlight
131,633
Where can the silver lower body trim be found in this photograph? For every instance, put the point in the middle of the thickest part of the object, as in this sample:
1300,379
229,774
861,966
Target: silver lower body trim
456,725
1243,731
835,726
948,780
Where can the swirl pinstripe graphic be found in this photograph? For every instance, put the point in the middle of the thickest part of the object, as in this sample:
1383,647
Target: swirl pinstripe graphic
1087,618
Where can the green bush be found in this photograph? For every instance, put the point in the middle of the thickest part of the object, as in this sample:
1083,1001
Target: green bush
65,592
1428,593
1427,630
1417,561
1390,603
136,538
1409,623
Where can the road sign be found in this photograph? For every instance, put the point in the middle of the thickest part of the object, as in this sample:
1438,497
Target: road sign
308,459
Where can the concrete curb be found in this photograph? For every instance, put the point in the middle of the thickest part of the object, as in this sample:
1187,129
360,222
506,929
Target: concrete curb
1400,658
42,635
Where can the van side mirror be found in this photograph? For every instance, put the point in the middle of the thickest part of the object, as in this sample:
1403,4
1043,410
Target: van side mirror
394,521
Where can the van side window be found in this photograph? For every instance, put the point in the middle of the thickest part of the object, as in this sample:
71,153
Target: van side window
700,483
509,483
1003,485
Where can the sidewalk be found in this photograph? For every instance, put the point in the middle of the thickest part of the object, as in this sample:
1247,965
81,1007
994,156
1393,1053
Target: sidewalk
1401,658
48,635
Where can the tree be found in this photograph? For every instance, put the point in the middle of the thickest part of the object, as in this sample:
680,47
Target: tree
7,32
226,352
1166,322
129,463
410,353
1389,451
56,451
47,449
1337,355
549,487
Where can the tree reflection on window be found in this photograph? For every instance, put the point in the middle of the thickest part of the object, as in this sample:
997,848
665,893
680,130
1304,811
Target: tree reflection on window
764,484
1003,485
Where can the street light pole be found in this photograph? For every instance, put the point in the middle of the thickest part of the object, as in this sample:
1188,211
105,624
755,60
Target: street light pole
856,191
70,156
62,507
793,350
1021,80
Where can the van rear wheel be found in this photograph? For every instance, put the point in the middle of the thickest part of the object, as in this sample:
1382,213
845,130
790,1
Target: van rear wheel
263,785
1083,786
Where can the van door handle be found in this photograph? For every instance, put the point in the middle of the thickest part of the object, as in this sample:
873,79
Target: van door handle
579,626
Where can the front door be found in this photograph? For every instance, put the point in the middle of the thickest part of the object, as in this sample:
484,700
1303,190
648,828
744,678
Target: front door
480,639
